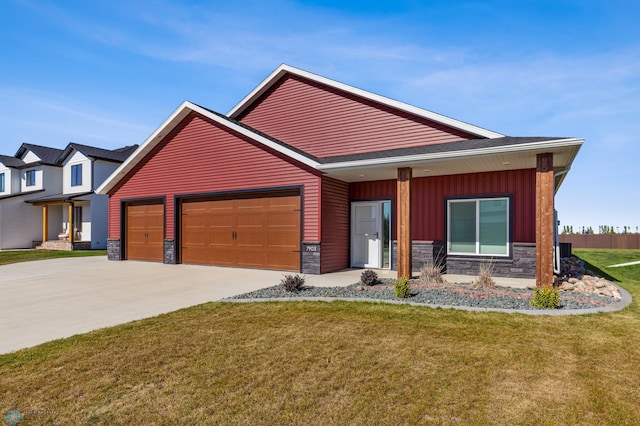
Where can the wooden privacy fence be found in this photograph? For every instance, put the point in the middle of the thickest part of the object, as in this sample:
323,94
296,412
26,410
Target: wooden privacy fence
602,241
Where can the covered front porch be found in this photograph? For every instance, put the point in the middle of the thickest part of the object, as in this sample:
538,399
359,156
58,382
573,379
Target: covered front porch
482,199
62,222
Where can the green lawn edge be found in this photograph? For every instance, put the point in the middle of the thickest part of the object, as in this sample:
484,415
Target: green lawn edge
16,256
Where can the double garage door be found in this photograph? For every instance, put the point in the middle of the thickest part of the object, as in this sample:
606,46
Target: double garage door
256,232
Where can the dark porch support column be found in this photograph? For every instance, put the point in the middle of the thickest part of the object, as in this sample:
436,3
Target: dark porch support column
45,223
544,220
404,222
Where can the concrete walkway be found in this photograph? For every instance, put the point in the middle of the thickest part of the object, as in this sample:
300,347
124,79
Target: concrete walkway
625,264
51,299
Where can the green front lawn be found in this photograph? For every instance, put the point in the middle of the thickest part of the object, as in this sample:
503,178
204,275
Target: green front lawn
15,256
338,363
599,260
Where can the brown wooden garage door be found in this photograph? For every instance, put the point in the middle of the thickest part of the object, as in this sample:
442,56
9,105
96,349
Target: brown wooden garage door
145,232
261,232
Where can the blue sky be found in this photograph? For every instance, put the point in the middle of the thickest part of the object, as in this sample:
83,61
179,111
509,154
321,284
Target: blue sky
108,73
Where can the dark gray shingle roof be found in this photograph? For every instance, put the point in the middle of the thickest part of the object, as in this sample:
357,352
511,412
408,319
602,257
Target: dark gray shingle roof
117,155
11,161
470,144
47,155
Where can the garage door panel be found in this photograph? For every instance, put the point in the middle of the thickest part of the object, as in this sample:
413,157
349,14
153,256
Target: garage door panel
282,260
261,232
193,221
284,220
145,232
221,239
251,258
207,255
196,238
283,239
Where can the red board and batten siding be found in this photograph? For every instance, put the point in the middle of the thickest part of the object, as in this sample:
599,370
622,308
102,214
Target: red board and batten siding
428,196
325,121
201,156
334,249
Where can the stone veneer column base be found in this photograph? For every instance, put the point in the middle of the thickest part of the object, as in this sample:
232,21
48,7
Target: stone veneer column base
310,258
169,252
113,249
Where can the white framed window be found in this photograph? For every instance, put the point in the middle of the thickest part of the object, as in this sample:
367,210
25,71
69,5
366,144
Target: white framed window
76,175
478,227
30,177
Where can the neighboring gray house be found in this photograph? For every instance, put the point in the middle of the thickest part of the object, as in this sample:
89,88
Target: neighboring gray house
46,192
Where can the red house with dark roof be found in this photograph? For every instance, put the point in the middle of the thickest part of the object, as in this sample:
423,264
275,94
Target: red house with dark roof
308,174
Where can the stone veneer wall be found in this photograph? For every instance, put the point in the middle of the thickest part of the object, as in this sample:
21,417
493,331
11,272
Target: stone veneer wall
423,253
522,265
113,249
310,258
169,252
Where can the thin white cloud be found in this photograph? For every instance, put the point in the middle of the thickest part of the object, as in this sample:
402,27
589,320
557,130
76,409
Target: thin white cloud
52,119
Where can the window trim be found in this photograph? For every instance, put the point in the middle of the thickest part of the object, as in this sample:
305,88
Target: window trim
76,175
28,175
477,199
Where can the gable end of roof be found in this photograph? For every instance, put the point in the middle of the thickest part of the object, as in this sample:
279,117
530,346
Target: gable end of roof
284,69
180,114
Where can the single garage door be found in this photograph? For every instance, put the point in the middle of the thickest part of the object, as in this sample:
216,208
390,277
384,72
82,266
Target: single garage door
258,232
145,232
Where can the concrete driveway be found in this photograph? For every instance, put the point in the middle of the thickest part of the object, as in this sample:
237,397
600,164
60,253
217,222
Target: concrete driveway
52,299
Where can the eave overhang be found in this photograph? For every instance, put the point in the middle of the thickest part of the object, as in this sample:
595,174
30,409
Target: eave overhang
477,160
58,199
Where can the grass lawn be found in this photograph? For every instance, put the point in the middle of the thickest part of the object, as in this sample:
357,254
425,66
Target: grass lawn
15,256
340,363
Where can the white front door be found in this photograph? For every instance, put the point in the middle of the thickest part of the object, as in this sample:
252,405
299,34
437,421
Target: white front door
366,232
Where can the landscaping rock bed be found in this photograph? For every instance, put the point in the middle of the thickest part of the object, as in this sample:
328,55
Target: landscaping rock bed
575,278
446,294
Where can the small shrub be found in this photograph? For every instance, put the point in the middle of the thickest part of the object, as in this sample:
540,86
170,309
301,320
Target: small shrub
292,283
369,277
546,297
431,275
485,277
402,288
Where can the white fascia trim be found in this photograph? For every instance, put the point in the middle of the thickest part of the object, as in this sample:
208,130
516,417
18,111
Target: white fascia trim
168,125
408,159
283,69
144,148
259,90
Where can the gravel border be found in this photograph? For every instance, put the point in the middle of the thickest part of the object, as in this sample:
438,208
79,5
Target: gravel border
249,298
